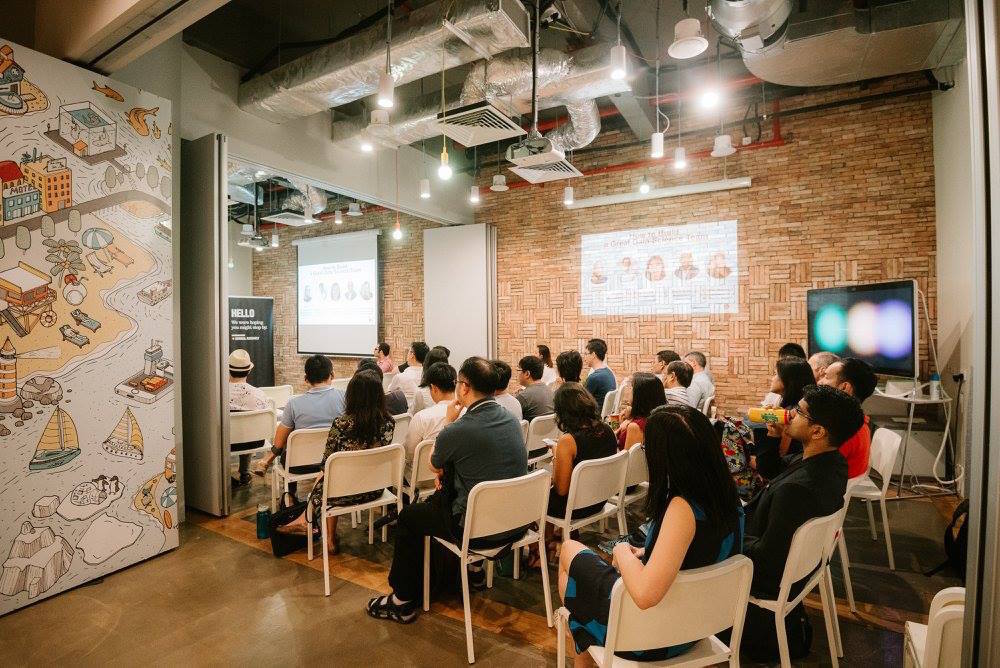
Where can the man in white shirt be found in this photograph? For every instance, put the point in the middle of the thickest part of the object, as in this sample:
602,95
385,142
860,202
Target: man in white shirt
244,397
408,380
503,395
426,423
676,382
702,386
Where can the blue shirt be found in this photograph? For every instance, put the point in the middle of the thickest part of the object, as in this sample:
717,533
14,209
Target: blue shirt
599,383
318,407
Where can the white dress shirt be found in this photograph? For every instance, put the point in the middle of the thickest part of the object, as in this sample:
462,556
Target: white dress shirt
407,381
510,402
425,425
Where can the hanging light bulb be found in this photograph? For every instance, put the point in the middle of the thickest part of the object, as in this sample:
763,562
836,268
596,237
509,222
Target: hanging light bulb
425,189
274,240
338,218
568,196
397,233
232,263
657,145
365,144
354,209
680,158
644,186
444,170
709,98
499,183
619,59
474,195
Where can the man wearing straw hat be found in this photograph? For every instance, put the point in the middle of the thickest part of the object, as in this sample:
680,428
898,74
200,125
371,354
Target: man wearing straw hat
244,397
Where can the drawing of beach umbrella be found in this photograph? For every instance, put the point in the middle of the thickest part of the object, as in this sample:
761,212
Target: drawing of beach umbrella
98,239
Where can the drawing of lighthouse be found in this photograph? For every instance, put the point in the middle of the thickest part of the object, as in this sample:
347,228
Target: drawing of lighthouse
9,400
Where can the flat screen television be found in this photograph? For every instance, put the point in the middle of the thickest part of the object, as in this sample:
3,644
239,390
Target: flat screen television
875,322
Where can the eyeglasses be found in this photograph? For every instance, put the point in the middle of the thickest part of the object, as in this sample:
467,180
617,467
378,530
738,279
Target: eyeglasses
805,414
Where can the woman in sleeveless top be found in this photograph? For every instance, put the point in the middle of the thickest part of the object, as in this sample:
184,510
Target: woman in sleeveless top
647,396
696,521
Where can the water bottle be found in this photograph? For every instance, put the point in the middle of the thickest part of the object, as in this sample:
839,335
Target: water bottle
935,387
770,415
263,521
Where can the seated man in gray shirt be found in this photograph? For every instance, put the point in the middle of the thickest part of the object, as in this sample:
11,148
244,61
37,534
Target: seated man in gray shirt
485,443
536,397
502,395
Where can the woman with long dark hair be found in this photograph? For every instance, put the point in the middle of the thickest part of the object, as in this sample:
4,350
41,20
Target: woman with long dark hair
549,373
791,375
365,424
647,395
696,521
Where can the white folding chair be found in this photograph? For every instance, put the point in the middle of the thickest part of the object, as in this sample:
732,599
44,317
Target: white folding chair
355,472
250,426
594,481
637,476
700,603
279,394
609,403
845,562
836,540
495,507
539,429
341,383
708,405
402,426
524,430
938,643
304,447
885,446
420,477
387,378
806,557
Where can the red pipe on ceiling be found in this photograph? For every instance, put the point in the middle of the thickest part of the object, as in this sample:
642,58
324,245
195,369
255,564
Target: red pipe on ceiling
729,84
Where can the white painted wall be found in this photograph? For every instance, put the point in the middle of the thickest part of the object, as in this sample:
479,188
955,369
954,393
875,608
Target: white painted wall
954,200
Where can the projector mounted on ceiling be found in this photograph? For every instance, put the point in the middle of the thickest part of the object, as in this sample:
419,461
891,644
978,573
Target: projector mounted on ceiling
478,123
289,218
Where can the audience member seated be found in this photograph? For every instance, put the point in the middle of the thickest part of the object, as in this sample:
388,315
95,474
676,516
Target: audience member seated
503,395
383,359
395,401
422,395
408,379
820,362
600,380
549,373
319,406
696,522
244,397
658,368
676,382
812,485
647,395
584,436
569,365
857,378
365,424
536,397
702,384
483,444
427,423
773,399
791,376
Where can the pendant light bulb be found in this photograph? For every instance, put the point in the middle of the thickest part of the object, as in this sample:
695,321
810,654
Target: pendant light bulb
619,62
680,158
274,240
644,186
568,196
474,195
366,144
425,189
338,217
385,86
656,150
444,170
397,233
709,98
232,263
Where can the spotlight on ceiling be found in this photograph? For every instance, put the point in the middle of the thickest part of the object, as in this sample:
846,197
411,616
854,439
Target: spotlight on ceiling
656,140
338,217
397,233
568,196
644,186
723,146
688,40
680,158
619,62
274,240
709,98
499,183
354,209
474,195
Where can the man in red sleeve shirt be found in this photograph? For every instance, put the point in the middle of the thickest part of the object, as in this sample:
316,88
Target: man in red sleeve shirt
857,378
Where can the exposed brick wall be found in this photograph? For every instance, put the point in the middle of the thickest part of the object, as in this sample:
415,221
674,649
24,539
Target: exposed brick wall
848,199
401,266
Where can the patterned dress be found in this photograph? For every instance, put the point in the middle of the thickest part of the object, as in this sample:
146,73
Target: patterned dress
343,437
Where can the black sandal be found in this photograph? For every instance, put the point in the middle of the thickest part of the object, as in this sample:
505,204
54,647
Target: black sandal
382,607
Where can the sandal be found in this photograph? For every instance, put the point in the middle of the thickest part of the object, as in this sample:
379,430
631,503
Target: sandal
382,607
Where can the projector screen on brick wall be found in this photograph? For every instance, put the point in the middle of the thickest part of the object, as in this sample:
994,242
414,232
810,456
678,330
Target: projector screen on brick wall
338,294
674,269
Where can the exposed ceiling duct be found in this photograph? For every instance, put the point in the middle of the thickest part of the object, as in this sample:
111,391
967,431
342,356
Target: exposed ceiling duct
349,69
571,80
841,41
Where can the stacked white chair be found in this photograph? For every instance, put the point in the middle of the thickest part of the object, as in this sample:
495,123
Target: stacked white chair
700,603
304,447
495,507
251,426
885,446
807,556
355,472
594,481
539,429
938,643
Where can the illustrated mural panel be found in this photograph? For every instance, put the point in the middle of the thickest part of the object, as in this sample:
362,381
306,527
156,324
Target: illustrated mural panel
87,461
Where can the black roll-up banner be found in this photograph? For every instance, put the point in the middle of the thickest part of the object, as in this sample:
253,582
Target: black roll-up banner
251,327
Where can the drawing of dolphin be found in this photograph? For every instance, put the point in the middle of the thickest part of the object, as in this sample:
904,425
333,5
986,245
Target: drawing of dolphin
108,91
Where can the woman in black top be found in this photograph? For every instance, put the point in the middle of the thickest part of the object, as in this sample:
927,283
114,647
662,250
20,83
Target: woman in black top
791,375
696,521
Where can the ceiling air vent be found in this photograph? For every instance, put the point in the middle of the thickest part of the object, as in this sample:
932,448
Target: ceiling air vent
289,218
549,171
478,123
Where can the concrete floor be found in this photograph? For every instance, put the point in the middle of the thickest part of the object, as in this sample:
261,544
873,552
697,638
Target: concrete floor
221,598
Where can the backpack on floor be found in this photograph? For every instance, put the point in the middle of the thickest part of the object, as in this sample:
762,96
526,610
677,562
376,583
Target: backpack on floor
956,542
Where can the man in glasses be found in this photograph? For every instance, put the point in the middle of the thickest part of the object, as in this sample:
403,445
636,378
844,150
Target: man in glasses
812,485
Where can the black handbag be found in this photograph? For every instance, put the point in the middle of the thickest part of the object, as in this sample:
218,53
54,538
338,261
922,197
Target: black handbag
286,543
